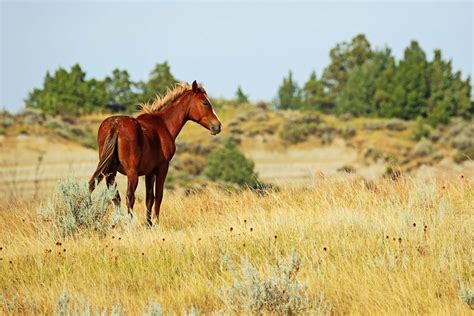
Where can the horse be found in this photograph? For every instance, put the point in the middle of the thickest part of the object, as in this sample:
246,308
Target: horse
145,145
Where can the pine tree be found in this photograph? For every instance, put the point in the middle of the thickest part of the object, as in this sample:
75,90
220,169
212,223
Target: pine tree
68,93
160,80
289,94
365,90
313,94
411,79
240,96
385,93
345,57
121,94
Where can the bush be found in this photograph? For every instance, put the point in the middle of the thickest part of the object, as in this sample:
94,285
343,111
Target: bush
65,308
279,293
373,125
348,131
466,294
423,148
298,129
395,125
346,169
296,133
71,208
421,130
226,163
463,155
154,309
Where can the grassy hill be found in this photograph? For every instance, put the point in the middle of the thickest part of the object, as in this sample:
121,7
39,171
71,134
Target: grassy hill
288,147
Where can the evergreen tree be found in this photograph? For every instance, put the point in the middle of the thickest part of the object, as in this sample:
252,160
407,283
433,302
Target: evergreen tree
68,93
356,97
240,96
438,105
345,57
461,97
289,94
385,90
160,80
412,80
313,94
121,94
358,94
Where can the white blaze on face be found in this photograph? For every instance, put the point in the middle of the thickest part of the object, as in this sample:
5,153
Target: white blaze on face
213,112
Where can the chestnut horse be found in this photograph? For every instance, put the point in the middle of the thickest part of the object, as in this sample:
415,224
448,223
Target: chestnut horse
144,146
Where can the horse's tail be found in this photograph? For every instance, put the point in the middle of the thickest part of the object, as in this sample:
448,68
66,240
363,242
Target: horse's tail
107,160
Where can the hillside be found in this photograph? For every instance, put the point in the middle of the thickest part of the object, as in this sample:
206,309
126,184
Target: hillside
288,147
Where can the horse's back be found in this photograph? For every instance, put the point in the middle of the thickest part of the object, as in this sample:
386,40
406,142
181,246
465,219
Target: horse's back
125,126
134,143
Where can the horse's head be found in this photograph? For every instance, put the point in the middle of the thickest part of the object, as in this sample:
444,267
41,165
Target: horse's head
201,111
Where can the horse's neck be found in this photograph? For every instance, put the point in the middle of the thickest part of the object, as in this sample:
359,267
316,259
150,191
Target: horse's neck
175,116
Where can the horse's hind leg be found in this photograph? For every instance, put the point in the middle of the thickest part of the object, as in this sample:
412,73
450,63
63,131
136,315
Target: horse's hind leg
110,180
131,187
150,198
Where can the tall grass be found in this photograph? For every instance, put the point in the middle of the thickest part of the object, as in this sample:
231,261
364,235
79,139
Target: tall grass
395,247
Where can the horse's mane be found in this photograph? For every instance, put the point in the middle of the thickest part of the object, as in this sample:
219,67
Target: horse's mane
162,102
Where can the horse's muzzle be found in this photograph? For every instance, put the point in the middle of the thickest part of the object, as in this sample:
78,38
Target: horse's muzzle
216,128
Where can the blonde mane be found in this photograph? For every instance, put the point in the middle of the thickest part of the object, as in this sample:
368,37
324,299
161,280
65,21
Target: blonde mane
162,102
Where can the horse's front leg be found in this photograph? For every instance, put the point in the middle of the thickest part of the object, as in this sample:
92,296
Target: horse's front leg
150,198
161,173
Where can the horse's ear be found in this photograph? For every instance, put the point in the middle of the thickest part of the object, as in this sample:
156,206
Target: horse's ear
195,87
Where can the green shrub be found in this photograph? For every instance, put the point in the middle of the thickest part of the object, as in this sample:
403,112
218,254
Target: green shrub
71,208
297,133
421,130
278,293
297,130
226,163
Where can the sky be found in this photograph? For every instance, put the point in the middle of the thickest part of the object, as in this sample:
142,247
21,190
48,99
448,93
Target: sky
220,44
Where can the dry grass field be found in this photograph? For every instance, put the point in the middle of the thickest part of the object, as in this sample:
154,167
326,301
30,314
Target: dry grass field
326,242
388,247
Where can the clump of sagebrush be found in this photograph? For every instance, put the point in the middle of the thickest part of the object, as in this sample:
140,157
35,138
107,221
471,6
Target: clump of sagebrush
18,306
154,309
276,293
71,208
64,307
466,294
227,164
463,155
299,129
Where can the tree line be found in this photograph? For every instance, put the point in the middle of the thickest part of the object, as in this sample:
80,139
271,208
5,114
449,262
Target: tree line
366,82
70,93
359,80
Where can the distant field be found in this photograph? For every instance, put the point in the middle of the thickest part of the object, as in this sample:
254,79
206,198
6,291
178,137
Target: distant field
400,247
32,165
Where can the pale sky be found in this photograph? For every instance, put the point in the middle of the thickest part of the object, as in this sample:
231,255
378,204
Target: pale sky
222,45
